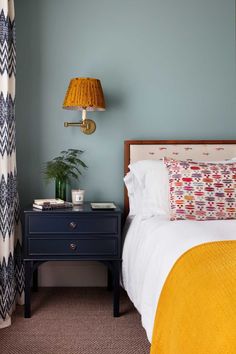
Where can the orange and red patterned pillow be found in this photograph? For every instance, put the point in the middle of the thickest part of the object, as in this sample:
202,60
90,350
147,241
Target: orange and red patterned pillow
201,190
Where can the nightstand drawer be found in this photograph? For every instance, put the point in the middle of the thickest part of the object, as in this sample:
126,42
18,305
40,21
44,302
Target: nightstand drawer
64,247
61,224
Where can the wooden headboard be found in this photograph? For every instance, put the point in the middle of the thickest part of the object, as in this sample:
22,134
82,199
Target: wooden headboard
208,150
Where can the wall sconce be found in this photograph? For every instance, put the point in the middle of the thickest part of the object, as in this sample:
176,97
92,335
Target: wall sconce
84,94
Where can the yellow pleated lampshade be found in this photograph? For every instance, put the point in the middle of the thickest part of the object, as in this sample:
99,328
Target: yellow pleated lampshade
84,93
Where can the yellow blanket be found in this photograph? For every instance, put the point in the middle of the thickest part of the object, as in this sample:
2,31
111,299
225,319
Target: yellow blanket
196,312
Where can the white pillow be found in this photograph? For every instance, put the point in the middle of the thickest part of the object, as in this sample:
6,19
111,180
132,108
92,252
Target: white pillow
152,176
135,193
140,168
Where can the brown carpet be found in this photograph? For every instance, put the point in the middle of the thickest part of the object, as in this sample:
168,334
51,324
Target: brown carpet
75,321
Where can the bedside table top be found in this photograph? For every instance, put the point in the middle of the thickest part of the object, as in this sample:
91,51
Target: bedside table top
84,208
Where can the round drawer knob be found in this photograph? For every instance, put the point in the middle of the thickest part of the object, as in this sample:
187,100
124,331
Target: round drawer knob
73,246
72,225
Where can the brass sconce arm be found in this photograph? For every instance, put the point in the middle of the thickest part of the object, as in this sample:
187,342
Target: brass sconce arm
73,124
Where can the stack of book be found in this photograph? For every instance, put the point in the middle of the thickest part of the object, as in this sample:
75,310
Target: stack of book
48,204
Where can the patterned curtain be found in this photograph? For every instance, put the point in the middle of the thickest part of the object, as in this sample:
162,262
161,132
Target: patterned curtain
11,267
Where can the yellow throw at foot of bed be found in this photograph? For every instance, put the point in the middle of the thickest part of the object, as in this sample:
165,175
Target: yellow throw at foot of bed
196,313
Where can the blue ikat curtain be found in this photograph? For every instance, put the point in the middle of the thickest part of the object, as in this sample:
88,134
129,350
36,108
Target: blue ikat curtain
11,267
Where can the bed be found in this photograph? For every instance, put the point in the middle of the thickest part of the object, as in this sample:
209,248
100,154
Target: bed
154,248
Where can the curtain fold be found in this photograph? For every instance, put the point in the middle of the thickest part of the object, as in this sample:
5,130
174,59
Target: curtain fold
11,265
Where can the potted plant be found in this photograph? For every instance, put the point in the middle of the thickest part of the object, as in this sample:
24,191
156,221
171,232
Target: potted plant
62,168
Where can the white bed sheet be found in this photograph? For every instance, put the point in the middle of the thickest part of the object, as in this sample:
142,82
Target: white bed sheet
151,248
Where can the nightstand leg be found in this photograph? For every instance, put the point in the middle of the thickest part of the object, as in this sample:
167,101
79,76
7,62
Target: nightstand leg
116,288
28,276
109,279
35,280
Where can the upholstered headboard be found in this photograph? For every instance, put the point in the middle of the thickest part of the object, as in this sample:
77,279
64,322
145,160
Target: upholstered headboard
208,150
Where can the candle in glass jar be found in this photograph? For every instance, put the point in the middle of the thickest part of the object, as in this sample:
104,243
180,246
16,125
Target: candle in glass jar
77,196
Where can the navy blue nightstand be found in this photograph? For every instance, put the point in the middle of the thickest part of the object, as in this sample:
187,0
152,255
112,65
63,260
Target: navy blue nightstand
80,234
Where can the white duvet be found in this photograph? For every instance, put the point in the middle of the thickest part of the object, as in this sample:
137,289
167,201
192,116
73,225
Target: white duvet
150,250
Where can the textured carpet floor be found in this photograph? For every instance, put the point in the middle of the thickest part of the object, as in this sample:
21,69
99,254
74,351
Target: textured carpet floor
75,321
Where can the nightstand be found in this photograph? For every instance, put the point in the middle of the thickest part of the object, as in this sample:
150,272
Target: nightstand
78,233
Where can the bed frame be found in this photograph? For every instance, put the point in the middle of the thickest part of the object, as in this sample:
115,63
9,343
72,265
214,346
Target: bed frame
208,150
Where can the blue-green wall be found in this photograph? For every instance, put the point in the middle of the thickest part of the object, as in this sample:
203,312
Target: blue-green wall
167,68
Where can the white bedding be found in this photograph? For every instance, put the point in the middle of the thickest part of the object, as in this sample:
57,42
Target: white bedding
150,250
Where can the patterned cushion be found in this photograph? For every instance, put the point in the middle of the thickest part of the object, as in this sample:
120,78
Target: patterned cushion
202,190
